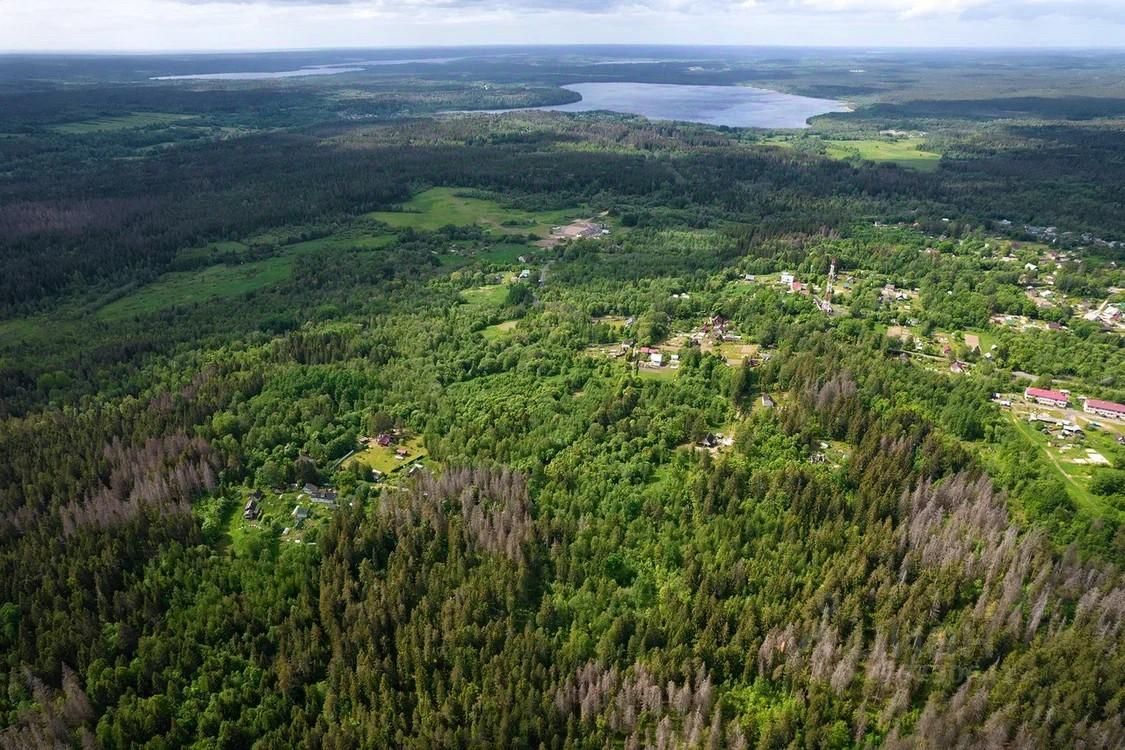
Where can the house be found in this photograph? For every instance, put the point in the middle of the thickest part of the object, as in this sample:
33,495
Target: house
787,278
384,439
657,358
1047,397
796,288
1107,409
958,367
251,511
1071,429
972,341
767,401
709,441
324,496
401,453
300,513
525,274
1053,326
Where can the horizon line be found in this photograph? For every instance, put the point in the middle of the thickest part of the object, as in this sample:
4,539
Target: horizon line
107,52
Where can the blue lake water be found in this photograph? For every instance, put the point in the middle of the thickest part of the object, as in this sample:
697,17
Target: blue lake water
735,106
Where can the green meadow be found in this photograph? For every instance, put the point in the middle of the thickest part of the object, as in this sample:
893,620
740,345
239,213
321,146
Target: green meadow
500,330
486,296
120,122
442,206
905,152
188,287
231,280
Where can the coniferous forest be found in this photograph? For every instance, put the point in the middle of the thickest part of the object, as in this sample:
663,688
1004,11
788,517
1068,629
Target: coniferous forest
334,414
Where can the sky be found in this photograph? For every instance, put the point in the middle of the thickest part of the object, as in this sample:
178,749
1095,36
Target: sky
205,25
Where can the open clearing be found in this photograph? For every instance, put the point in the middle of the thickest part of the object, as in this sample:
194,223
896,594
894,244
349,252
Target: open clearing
121,122
500,330
231,280
188,287
1064,460
383,459
489,296
439,207
906,152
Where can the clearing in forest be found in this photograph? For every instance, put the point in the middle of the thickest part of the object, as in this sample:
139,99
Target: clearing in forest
120,122
231,279
188,287
442,206
905,152
385,459
487,296
500,330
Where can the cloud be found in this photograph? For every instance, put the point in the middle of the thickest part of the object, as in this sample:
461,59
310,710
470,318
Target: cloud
1111,10
152,25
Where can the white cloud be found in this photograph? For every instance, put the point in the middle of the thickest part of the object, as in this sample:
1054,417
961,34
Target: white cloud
258,24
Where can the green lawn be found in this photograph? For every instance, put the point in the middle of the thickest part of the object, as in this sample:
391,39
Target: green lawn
443,206
906,152
120,122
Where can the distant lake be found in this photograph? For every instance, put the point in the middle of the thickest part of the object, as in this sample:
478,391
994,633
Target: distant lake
312,70
735,106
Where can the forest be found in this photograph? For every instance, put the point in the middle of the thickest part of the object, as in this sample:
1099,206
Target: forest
333,416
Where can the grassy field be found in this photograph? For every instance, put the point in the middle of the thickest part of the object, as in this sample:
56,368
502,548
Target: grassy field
505,253
1075,476
500,330
223,280
906,152
384,459
121,122
354,238
187,287
487,296
439,207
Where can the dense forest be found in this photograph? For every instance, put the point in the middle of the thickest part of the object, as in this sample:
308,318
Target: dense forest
318,428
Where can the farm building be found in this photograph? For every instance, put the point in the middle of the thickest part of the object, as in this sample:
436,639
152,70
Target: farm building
1047,397
1107,409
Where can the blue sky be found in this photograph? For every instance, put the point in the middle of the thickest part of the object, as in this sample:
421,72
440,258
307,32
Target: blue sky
154,25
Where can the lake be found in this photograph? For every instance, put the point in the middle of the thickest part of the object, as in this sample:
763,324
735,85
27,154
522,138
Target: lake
311,70
735,106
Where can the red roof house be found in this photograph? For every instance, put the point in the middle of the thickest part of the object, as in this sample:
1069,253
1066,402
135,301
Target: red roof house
1104,408
1046,397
